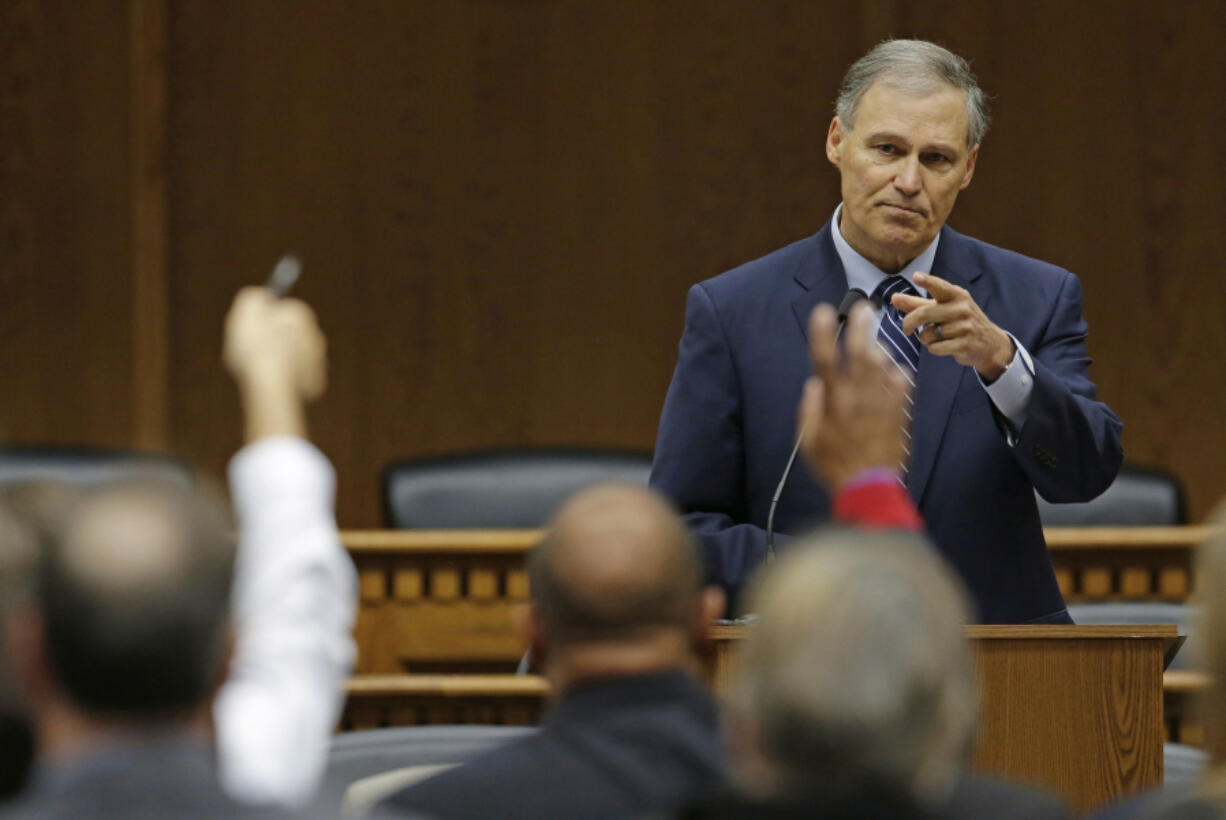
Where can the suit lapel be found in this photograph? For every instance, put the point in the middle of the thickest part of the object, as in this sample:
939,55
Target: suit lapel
821,278
940,377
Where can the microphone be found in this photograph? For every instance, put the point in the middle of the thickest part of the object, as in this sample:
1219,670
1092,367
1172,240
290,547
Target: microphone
853,297
850,300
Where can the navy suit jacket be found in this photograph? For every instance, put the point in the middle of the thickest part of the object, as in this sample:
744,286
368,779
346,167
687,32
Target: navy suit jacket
729,421
620,747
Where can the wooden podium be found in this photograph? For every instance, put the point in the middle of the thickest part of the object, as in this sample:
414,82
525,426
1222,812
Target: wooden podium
1075,709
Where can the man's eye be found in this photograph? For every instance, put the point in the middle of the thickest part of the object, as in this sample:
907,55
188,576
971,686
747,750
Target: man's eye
886,148
937,159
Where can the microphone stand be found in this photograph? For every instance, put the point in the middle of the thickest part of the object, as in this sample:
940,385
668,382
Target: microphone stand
853,296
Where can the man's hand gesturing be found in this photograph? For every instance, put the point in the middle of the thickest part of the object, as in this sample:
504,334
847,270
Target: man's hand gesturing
852,413
277,354
955,326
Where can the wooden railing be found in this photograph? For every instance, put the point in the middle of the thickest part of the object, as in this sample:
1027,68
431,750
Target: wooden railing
443,601
438,603
1181,694
1124,563
376,701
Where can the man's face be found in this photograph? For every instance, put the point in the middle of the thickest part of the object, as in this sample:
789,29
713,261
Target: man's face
903,165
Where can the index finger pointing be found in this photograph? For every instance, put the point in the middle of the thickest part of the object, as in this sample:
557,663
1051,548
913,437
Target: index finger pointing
940,289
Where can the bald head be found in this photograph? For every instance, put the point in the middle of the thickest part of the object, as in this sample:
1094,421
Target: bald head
135,595
617,561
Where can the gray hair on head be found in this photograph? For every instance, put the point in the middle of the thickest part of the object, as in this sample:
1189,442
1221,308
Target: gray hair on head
857,666
917,66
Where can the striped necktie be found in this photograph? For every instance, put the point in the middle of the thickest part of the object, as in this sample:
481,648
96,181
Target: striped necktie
902,349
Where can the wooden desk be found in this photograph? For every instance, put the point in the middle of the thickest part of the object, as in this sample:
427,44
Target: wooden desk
441,601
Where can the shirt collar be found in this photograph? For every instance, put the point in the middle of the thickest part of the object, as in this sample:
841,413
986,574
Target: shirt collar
863,274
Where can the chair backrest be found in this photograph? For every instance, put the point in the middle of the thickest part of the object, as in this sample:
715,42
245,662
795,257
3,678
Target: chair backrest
355,756
362,795
1139,497
1144,612
83,466
1182,766
506,489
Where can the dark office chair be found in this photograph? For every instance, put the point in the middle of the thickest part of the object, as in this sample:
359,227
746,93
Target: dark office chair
510,489
1139,497
83,466
366,755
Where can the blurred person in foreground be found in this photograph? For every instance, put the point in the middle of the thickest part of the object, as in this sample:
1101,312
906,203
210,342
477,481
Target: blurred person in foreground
619,620
144,635
854,696
30,512
18,551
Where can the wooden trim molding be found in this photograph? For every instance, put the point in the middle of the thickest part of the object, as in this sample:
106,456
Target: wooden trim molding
148,202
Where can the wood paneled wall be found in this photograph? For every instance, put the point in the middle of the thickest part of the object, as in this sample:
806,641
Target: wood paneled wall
66,308
501,204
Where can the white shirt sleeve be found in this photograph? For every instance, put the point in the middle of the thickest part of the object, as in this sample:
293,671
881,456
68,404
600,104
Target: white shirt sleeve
1011,392
295,596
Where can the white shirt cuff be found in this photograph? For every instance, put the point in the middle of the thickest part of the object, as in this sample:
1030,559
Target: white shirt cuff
1011,392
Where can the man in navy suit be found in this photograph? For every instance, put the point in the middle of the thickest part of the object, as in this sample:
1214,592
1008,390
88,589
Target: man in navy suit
1003,403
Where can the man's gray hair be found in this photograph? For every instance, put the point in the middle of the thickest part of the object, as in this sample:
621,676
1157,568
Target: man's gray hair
1211,597
857,668
921,68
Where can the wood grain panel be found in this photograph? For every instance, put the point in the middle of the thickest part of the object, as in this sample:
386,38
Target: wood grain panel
1116,682
502,204
65,305
147,164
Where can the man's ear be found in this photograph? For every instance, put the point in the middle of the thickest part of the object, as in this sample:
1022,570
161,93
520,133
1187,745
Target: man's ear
743,740
222,673
970,168
27,652
533,632
834,141
713,602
